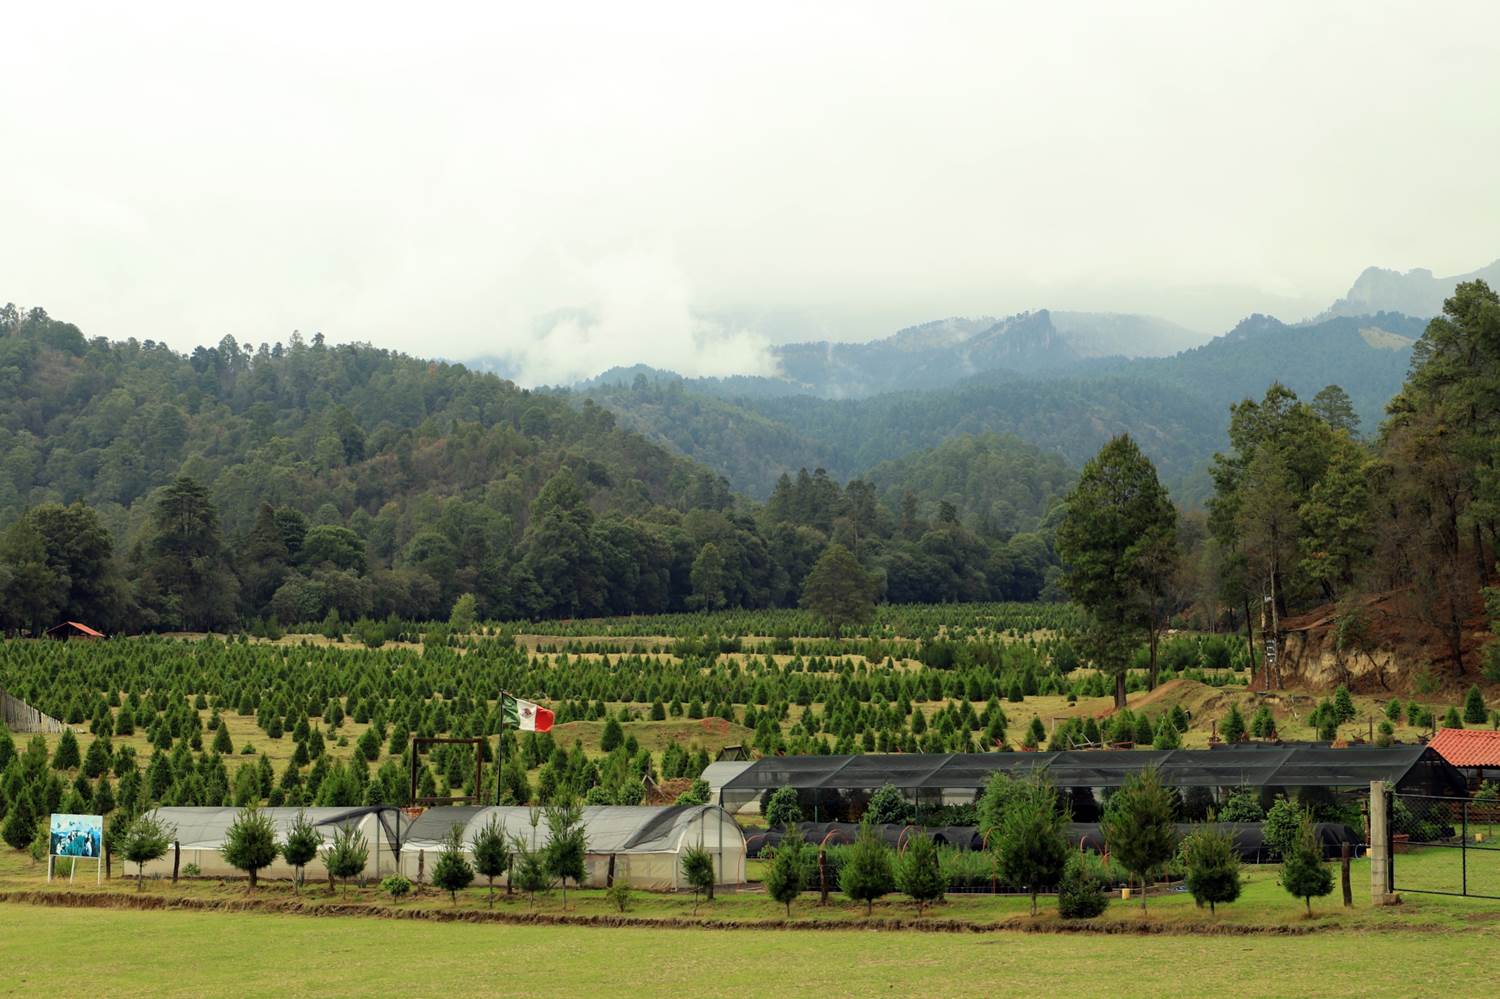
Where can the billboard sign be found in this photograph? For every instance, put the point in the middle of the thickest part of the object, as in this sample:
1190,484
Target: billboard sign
77,836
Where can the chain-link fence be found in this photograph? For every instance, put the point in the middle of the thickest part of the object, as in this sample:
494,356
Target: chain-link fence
1445,846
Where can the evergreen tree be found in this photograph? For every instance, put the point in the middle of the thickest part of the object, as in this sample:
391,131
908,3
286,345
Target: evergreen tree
453,873
1118,544
1343,705
1213,866
1080,893
698,870
146,839
492,854
567,845
530,870
1475,713
1138,826
1029,840
1280,828
1167,736
67,756
919,872
866,872
1234,725
250,843
346,856
1303,873
838,589
301,846
787,875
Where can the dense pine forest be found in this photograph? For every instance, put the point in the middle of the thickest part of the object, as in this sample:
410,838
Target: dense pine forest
144,489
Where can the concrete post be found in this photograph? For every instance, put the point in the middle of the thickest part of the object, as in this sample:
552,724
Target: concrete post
1380,845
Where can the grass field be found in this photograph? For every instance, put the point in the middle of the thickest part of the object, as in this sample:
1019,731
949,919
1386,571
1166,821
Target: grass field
97,952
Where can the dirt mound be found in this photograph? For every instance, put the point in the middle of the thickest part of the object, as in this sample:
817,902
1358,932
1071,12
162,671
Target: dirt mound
666,792
1197,699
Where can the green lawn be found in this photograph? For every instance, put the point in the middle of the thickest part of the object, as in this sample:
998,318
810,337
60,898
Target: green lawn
101,952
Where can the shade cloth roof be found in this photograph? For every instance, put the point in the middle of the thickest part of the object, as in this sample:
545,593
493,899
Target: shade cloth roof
1249,837
1467,747
610,828
1256,766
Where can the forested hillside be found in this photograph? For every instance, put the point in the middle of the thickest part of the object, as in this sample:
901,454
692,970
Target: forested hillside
1177,408
145,489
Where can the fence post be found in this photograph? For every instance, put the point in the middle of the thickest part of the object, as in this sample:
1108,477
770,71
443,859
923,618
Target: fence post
176,860
1380,845
1344,865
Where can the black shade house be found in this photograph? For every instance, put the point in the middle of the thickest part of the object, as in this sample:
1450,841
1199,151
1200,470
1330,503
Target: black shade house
828,782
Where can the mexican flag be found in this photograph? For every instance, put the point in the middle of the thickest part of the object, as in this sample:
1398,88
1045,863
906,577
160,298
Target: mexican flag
525,716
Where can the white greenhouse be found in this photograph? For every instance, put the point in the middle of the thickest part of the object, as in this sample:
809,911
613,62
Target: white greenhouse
641,846
199,834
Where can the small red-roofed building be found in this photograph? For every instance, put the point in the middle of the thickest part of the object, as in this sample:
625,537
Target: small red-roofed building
72,629
1472,750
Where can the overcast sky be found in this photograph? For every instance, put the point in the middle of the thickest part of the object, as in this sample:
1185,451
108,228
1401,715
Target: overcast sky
584,186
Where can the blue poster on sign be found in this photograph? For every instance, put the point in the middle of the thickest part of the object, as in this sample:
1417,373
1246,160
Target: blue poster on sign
77,835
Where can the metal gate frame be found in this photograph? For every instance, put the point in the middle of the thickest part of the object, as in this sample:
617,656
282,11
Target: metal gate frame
1460,816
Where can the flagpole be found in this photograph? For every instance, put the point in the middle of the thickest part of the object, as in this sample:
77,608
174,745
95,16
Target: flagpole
500,749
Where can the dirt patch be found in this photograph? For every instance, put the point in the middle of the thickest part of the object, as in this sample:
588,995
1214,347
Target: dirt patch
1018,924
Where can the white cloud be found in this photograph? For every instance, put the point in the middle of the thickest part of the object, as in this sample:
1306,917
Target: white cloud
637,309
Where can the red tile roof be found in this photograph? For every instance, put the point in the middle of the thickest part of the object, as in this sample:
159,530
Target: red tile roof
81,628
1468,747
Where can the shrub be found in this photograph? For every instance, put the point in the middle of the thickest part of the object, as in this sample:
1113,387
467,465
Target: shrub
1242,806
250,843
889,805
1080,893
191,871
619,896
696,794
867,874
782,809
1280,829
396,886
1213,866
919,872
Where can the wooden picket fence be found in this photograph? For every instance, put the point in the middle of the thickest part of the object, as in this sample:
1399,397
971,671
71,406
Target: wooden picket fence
20,717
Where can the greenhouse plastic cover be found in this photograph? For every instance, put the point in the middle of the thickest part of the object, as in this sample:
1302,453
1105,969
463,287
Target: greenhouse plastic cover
610,828
205,828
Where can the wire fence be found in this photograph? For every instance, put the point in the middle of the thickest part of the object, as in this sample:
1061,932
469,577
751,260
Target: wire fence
1445,846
